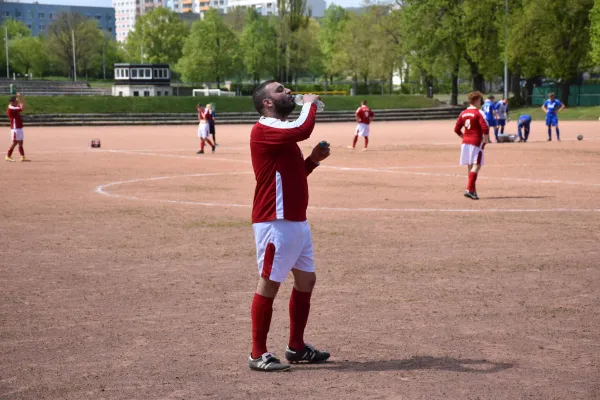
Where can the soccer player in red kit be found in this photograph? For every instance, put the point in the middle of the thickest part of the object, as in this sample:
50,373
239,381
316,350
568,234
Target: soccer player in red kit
364,116
15,107
204,117
281,231
474,138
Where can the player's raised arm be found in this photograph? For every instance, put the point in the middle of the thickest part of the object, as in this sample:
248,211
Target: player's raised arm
21,101
274,103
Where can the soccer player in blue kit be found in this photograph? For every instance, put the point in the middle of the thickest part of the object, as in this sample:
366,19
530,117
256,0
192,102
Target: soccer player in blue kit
490,114
524,123
552,107
502,111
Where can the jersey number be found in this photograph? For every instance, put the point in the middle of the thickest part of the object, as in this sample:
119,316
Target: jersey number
468,124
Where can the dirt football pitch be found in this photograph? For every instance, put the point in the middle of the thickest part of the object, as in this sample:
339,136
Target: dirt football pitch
127,272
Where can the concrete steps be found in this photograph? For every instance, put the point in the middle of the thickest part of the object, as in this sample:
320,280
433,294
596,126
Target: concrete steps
223,118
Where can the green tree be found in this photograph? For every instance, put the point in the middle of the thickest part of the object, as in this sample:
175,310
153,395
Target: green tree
256,45
16,29
157,37
59,42
332,27
27,55
595,33
433,40
554,40
307,59
208,51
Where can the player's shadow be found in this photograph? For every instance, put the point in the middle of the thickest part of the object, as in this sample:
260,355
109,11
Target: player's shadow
515,197
416,363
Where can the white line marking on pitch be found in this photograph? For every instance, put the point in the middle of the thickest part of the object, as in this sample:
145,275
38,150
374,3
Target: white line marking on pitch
101,190
387,170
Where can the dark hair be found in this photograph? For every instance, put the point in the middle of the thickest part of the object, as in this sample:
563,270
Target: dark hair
259,95
364,102
199,105
491,96
551,94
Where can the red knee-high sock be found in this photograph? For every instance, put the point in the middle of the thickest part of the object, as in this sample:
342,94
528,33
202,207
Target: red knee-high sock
10,150
262,311
355,140
366,142
202,145
299,310
21,151
209,143
472,180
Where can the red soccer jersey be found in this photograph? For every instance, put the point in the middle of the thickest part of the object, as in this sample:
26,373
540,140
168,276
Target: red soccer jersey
14,114
279,167
207,115
202,115
475,126
364,115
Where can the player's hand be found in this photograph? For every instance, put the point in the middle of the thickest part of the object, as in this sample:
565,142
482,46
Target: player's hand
320,152
310,98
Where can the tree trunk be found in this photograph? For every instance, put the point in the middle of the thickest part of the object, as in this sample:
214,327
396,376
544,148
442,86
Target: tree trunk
476,77
529,84
391,90
454,94
565,89
218,82
428,84
515,86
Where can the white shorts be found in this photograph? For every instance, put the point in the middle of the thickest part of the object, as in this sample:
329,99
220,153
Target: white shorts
16,134
282,245
203,131
471,154
362,129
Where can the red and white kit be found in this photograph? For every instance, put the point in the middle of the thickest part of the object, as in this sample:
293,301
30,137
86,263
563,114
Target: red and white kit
471,150
364,116
203,126
16,122
281,231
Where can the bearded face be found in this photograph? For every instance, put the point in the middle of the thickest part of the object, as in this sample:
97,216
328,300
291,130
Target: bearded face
284,105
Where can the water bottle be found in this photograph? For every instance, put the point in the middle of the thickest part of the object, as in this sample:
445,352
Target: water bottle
298,100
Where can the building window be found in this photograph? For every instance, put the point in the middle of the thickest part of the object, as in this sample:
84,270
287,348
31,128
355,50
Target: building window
18,14
42,15
51,16
42,28
148,73
146,93
29,26
269,5
110,30
7,13
121,94
136,94
134,73
158,93
126,73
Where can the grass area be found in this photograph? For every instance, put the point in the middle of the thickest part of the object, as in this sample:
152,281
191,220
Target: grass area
568,114
109,104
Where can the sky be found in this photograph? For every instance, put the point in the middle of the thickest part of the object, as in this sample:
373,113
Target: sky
108,3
